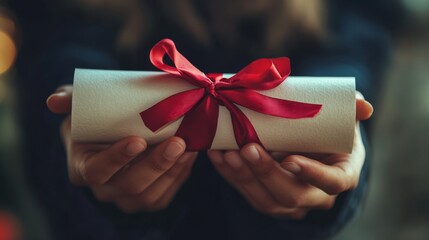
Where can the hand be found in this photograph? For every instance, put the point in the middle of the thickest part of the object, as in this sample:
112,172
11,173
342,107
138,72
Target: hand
296,183
128,173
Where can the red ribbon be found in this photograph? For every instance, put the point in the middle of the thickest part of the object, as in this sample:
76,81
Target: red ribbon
200,106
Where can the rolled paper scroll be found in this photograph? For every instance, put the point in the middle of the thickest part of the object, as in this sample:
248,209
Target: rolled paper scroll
106,106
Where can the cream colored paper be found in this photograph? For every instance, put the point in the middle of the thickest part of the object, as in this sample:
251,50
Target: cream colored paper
106,107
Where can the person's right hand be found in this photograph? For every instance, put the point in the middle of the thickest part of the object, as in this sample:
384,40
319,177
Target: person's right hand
128,173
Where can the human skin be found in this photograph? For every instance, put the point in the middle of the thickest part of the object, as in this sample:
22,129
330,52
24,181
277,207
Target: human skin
137,177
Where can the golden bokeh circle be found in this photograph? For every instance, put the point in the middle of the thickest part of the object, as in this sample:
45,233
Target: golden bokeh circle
7,52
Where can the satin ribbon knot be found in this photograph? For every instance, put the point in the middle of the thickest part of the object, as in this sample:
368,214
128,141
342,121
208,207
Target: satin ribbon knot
199,107
211,89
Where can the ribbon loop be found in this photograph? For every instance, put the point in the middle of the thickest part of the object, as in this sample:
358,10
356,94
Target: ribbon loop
200,107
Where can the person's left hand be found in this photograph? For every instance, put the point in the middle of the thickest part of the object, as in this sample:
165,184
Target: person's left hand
289,188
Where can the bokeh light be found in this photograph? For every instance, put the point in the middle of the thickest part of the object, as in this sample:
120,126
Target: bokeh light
7,52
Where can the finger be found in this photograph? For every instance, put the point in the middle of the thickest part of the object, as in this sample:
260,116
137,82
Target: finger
215,156
61,101
100,166
334,173
278,156
169,194
232,168
147,170
331,179
218,161
161,192
77,155
283,185
73,162
65,130
155,191
241,177
364,109
294,213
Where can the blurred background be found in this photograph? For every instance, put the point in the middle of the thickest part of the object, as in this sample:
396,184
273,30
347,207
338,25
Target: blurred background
397,206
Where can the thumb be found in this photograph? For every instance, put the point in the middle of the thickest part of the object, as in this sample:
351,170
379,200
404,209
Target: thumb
60,102
364,109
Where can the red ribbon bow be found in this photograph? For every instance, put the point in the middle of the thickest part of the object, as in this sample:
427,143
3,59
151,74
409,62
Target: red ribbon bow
200,106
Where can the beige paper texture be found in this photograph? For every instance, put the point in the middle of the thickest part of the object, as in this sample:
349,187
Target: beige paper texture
106,106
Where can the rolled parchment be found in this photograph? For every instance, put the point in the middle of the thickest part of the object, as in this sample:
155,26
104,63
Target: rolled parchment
106,106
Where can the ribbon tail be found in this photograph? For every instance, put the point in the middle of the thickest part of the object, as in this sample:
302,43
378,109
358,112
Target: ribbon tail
244,131
272,106
198,127
171,108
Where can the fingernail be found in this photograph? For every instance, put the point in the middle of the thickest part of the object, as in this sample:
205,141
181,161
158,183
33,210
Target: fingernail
233,159
173,151
252,154
49,98
60,94
60,89
134,148
291,167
